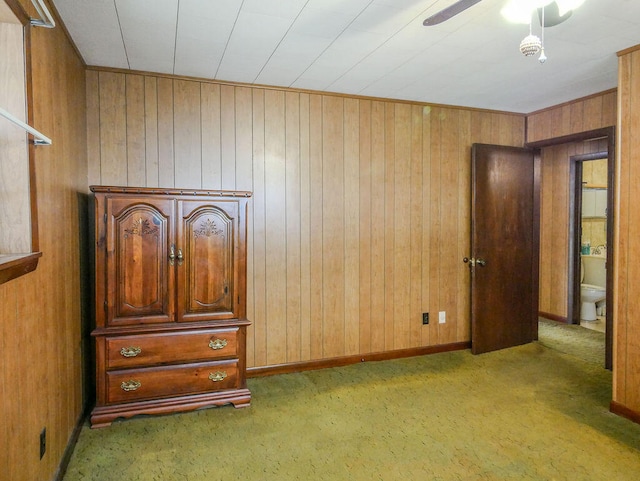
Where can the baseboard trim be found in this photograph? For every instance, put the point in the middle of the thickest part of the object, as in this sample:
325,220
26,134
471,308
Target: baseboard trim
355,359
624,411
73,439
553,317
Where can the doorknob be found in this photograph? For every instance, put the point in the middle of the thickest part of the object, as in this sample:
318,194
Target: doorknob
472,262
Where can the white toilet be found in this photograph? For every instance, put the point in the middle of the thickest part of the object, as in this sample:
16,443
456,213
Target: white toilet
593,281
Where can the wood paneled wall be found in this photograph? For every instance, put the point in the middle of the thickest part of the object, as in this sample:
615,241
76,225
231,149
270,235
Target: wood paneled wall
581,115
626,380
359,218
554,223
41,375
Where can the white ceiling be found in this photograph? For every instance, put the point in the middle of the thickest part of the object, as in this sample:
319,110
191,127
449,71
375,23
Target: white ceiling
374,48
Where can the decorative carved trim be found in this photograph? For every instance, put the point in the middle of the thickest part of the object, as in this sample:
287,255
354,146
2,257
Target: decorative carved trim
141,227
207,228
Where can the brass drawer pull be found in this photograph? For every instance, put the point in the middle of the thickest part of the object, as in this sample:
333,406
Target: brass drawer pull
217,376
217,344
130,351
130,385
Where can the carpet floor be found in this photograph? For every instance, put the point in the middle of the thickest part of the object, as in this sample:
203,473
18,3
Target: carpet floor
527,413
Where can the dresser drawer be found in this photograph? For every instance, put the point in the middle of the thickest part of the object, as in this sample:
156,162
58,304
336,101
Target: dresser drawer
169,348
157,382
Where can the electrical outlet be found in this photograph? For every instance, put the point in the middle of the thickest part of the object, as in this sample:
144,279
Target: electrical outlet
442,317
425,318
43,442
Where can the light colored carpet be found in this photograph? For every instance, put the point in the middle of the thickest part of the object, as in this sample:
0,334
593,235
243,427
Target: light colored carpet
578,341
526,413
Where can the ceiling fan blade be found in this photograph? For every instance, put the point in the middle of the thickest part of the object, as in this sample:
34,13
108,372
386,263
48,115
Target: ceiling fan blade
447,13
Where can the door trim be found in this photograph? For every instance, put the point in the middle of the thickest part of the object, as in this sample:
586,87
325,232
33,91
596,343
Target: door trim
573,271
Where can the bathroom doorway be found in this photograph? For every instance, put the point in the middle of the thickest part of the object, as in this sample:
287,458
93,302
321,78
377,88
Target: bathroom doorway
592,235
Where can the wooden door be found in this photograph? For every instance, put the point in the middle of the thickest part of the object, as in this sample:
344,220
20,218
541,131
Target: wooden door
505,247
139,278
208,268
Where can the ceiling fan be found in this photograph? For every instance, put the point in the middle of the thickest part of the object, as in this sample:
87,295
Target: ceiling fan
450,11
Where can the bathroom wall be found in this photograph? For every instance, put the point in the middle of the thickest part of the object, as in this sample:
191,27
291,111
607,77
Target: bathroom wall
594,229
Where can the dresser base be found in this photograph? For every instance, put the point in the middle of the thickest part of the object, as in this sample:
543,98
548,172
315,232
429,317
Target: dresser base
103,416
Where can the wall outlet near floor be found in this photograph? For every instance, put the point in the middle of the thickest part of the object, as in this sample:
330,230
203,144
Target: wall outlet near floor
442,317
43,442
425,318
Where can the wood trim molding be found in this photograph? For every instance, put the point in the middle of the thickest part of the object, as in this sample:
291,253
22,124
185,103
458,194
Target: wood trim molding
626,51
588,135
553,317
355,359
624,411
16,265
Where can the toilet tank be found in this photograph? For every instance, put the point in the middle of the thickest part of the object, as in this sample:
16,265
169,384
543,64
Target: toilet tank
595,272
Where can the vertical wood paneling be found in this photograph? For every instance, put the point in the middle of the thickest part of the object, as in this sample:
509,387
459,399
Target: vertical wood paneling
627,233
378,174
187,140
93,125
257,333
360,208
228,136
151,131
293,216
449,265
166,140
211,156
463,244
364,245
305,231
401,289
136,154
244,139
333,226
316,226
41,316
351,206
389,225
415,235
113,133
435,234
427,122
586,114
590,113
275,226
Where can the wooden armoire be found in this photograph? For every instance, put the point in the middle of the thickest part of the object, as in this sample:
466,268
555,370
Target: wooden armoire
170,289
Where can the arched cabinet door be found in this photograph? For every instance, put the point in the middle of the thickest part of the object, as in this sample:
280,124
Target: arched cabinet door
208,269
139,275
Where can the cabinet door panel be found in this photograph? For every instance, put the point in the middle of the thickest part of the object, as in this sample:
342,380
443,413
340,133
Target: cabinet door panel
208,272
139,275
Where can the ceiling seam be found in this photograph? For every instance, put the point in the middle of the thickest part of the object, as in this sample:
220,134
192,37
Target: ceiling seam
175,39
226,45
281,40
382,44
124,45
331,43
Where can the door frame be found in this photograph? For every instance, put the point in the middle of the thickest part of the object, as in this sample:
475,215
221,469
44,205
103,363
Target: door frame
573,267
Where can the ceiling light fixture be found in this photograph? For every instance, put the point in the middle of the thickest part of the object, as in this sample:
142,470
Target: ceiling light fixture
520,11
